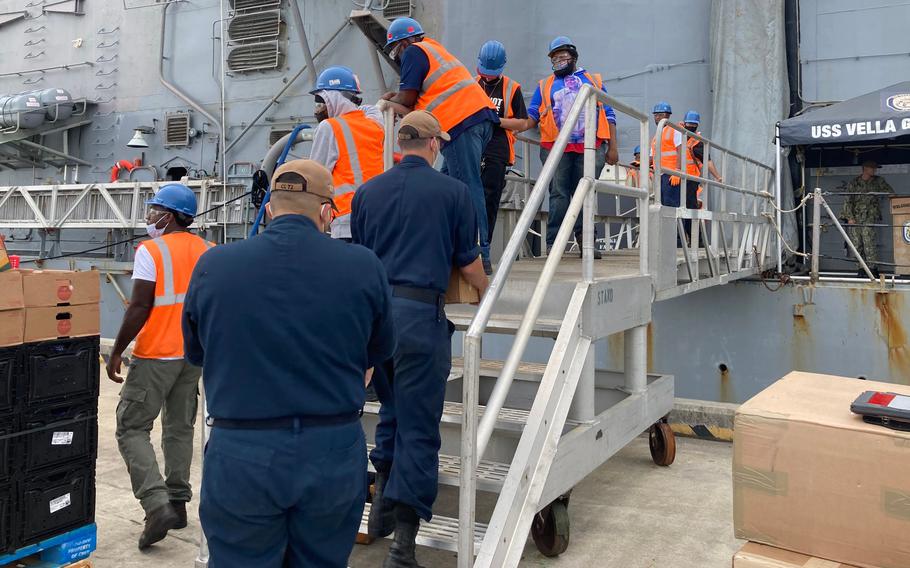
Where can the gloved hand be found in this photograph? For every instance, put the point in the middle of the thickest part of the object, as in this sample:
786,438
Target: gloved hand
674,180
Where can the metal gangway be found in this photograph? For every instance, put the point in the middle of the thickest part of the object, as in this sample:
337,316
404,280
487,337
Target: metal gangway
531,432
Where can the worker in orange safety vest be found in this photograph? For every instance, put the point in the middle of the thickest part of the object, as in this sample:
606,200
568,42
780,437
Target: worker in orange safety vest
160,380
434,80
348,140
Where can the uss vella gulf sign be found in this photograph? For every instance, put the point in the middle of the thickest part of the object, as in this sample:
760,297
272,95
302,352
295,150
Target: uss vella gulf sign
875,128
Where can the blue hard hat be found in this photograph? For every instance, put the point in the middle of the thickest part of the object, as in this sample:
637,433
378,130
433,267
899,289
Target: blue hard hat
492,58
337,78
176,197
692,117
662,106
636,150
562,42
402,28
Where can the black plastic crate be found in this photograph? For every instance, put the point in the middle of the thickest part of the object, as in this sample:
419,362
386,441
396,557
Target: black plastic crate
10,375
9,441
7,507
55,501
62,369
57,434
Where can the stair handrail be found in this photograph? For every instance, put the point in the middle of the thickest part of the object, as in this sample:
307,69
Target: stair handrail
475,437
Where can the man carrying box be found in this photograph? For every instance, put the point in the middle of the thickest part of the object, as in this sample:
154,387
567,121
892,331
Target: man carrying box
419,223
160,380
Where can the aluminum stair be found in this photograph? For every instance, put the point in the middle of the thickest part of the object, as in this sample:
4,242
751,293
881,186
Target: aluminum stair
373,26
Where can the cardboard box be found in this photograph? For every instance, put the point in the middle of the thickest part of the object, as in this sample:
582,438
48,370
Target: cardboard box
900,218
11,297
54,322
56,287
459,291
12,324
810,476
754,555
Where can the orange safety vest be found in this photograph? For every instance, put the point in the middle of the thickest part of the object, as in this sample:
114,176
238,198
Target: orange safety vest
669,157
175,256
360,143
509,88
693,166
547,123
449,91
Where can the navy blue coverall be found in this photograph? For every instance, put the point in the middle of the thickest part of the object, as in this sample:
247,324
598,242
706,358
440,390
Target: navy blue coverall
285,325
420,223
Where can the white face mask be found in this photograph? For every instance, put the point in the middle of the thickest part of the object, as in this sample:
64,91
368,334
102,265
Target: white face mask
153,230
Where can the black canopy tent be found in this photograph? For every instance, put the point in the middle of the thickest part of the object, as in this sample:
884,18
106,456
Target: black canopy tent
874,126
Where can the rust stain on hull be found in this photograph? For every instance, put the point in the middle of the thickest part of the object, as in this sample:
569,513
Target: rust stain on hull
889,310
726,385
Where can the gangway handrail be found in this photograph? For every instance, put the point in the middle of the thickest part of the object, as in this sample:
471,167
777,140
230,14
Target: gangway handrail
485,309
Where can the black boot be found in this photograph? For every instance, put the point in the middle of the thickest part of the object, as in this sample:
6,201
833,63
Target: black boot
180,509
157,523
578,240
382,513
403,549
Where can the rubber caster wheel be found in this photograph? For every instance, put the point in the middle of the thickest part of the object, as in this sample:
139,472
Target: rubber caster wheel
550,528
662,441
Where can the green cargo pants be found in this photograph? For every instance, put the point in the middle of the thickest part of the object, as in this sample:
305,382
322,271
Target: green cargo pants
170,388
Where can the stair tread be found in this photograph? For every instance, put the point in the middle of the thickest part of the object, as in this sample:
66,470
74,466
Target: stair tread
497,365
441,532
490,475
509,418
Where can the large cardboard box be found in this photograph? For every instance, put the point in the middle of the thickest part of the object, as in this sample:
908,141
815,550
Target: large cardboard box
56,287
900,218
460,291
754,555
11,297
810,476
12,324
55,322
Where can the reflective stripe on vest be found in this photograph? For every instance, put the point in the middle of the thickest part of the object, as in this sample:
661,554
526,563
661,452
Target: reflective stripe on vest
549,130
693,166
448,91
167,268
360,143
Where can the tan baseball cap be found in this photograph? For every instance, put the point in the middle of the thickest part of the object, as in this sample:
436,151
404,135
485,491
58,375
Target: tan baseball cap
421,124
303,175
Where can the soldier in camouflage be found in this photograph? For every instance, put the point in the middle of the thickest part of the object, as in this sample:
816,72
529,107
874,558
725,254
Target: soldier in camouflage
862,210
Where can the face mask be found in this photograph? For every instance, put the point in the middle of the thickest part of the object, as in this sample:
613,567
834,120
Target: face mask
691,127
564,68
153,230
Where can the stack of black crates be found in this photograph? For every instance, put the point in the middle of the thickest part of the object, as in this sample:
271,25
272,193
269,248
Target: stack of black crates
48,438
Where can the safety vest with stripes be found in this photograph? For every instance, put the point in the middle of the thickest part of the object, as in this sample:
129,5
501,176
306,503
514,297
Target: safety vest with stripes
549,130
509,87
360,143
449,91
175,256
693,166
669,157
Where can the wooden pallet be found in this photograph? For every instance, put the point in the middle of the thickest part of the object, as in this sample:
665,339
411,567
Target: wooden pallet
67,550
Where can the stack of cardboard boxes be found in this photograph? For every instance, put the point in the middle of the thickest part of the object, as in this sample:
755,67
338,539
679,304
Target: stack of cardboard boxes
49,375
813,484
